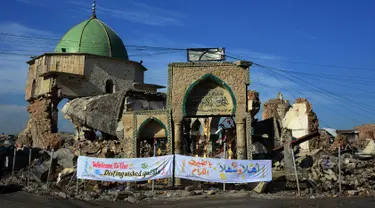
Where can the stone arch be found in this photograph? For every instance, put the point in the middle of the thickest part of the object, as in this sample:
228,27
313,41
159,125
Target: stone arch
110,86
150,120
149,129
213,82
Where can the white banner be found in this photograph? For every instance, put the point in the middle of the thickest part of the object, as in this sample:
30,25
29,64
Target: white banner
222,170
125,169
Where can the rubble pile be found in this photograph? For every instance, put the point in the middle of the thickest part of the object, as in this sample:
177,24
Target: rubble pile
102,149
357,176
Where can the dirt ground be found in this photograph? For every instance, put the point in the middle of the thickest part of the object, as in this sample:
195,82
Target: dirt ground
20,199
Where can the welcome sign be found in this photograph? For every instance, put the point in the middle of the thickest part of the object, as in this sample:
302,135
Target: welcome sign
124,169
222,170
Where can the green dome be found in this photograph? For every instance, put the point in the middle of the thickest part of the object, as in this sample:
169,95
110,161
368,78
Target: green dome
94,37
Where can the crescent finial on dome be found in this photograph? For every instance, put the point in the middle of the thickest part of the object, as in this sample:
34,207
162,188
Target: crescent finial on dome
93,9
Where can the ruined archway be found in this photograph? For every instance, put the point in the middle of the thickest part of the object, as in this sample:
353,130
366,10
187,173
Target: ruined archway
63,125
150,130
196,133
209,96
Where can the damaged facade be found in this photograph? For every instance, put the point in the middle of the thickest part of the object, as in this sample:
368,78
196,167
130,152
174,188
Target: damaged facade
77,68
207,103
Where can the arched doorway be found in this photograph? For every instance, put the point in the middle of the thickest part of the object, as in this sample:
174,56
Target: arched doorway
196,137
211,102
152,139
33,88
152,135
110,86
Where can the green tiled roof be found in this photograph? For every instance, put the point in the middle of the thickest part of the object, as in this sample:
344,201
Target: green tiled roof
94,37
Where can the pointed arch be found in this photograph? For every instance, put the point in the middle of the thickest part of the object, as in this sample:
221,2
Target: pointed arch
147,121
214,79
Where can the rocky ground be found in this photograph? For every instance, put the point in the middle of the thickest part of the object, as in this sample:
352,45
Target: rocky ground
23,199
318,176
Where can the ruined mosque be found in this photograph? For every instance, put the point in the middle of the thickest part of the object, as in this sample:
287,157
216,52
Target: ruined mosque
206,103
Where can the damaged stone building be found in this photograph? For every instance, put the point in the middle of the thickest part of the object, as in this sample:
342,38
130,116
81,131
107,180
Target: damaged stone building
206,104
279,114
89,60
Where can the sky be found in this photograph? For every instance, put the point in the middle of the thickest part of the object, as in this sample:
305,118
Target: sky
321,50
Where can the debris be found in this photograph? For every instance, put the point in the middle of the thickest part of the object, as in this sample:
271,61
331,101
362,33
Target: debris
260,187
65,157
370,148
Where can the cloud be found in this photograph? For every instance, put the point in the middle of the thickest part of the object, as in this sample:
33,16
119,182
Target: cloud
248,54
137,12
19,29
13,118
13,71
15,51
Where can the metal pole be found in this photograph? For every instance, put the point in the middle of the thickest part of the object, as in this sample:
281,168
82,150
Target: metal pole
14,159
295,172
225,157
29,172
153,181
70,181
50,168
79,153
339,169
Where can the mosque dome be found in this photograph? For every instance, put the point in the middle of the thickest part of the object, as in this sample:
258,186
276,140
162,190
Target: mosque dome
94,37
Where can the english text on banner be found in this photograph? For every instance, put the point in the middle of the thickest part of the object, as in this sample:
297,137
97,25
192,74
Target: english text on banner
125,169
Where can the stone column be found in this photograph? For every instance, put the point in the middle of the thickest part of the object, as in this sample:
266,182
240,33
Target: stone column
177,140
249,140
241,139
286,135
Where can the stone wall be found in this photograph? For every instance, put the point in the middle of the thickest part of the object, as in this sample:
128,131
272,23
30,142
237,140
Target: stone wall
253,102
182,75
39,127
35,84
97,71
132,122
366,131
86,75
276,108
301,119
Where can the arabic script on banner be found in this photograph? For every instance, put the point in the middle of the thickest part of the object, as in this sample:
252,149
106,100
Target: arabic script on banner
222,170
123,169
